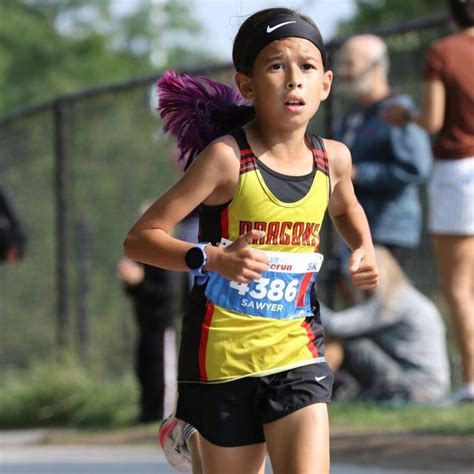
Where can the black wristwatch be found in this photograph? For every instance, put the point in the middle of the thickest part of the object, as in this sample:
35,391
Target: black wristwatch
196,259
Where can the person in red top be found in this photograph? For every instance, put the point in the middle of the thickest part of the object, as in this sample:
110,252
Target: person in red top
448,108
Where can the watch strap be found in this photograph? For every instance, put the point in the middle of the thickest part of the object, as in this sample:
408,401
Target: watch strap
200,273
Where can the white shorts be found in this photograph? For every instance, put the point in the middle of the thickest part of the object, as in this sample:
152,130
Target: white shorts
451,197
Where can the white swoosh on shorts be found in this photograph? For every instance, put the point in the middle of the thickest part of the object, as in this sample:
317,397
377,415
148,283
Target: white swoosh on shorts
318,379
273,28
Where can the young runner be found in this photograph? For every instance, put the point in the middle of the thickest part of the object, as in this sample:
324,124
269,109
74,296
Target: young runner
251,365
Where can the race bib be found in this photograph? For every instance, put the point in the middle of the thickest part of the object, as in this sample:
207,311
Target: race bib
283,292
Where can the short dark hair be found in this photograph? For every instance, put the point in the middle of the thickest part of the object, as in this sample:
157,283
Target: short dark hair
462,14
240,57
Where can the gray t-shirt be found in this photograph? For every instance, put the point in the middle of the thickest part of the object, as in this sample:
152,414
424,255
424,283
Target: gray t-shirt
411,333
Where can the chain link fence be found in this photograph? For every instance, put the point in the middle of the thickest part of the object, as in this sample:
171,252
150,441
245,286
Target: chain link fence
78,169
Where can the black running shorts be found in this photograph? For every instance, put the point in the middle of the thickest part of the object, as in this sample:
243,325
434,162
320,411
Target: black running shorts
233,413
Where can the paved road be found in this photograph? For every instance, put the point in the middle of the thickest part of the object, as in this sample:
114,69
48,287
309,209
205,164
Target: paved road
110,460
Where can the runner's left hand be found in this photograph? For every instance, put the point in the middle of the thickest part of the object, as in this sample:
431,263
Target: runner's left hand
363,269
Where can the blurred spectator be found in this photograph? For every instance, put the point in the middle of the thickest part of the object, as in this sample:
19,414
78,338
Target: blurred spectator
155,358
393,344
389,162
448,108
12,232
151,290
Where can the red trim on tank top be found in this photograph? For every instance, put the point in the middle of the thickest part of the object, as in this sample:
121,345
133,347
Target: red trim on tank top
244,161
225,223
203,343
247,161
321,161
313,349
320,152
246,151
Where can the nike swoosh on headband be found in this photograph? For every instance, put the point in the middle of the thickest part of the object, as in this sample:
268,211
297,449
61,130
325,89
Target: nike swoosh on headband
273,28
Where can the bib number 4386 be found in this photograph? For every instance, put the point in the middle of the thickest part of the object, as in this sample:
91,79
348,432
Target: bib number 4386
274,290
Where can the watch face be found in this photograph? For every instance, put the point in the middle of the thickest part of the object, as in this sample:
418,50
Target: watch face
194,258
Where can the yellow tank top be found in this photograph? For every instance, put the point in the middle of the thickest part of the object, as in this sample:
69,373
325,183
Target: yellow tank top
233,330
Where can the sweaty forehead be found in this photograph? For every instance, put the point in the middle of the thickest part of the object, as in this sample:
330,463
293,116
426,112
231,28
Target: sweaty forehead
291,45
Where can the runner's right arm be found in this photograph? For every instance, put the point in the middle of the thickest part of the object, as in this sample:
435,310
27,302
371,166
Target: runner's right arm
211,179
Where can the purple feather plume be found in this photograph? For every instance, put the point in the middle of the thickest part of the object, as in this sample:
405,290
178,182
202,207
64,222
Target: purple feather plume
196,110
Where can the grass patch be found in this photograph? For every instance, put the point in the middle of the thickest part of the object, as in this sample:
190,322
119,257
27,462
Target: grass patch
65,394
457,420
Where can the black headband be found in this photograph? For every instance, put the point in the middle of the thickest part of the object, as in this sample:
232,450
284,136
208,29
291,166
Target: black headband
282,27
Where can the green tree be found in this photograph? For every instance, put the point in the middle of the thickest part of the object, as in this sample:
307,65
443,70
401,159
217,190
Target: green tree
55,47
378,13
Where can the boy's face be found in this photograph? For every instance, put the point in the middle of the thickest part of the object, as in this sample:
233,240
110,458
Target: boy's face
288,81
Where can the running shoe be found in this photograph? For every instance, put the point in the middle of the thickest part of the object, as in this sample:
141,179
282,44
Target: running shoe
464,394
174,439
